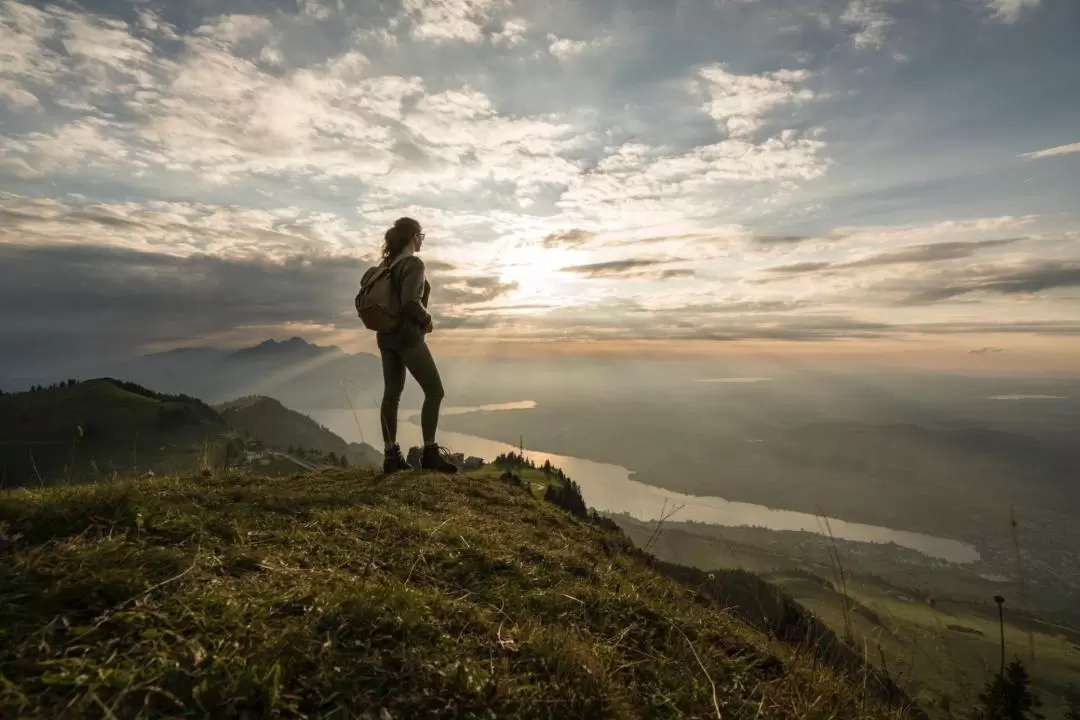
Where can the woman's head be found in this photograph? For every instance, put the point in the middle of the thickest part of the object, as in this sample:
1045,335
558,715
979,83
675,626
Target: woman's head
406,232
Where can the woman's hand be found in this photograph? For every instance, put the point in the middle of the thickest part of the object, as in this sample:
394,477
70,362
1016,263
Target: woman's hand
430,327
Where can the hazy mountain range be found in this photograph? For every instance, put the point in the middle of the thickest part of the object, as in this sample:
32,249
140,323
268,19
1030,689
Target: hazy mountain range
293,371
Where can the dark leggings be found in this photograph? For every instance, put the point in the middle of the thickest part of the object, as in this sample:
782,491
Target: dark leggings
418,361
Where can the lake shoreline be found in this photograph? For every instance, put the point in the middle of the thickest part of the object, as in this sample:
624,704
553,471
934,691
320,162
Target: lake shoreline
612,488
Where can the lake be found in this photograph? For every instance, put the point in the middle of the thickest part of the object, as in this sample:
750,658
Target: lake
612,489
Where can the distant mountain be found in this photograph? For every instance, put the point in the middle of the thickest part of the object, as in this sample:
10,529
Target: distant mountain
296,349
278,427
296,372
91,429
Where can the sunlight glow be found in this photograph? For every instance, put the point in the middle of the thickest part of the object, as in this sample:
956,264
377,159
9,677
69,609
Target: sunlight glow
535,269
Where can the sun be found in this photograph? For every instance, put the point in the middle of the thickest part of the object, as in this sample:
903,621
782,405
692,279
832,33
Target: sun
535,271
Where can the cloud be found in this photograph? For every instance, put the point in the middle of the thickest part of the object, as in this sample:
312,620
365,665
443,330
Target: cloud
781,239
567,159
565,49
119,300
796,328
1053,328
181,229
1009,11
870,22
613,267
989,350
449,20
637,268
453,291
512,34
16,97
124,299
799,268
321,10
568,238
739,103
1051,152
913,254
1029,278
930,253
1028,397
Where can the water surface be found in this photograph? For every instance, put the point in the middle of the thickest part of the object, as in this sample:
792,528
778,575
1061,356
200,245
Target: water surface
611,488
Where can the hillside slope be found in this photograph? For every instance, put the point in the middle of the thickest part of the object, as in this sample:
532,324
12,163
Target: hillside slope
266,419
346,594
94,428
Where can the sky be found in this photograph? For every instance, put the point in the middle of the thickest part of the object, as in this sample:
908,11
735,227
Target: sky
815,178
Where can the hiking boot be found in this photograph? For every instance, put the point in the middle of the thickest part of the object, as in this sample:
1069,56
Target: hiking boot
437,459
395,461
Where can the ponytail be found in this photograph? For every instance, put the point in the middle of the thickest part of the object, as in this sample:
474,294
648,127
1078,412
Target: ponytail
398,237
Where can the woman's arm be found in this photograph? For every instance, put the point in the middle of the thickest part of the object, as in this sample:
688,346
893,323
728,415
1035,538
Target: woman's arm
413,280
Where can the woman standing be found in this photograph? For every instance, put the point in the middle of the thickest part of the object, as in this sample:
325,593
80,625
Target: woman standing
406,349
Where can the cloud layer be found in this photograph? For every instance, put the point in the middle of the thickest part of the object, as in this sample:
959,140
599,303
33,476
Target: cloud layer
802,172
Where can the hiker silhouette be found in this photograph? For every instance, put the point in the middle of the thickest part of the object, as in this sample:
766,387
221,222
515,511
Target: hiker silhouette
393,301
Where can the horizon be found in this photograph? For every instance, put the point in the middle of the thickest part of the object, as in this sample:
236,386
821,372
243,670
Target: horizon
806,184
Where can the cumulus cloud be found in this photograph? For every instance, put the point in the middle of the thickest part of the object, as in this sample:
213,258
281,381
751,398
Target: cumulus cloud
449,20
512,34
740,103
565,48
869,21
1009,11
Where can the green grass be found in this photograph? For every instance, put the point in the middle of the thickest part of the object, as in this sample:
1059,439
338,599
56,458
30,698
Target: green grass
276,466
343,594
927,658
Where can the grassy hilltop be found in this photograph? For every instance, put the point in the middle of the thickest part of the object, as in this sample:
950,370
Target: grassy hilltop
344,594
95,428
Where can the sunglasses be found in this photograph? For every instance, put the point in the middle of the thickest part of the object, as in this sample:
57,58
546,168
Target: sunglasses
421,236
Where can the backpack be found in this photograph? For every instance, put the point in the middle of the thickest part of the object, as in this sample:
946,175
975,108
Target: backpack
379,301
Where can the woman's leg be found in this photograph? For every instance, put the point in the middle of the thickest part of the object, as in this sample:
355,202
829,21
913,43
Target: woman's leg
422,366
393,370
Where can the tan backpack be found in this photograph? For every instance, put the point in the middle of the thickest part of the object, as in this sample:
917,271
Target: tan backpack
379,301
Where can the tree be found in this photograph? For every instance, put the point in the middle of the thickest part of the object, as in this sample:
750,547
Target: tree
1072,703
1008,695
343,461
332,457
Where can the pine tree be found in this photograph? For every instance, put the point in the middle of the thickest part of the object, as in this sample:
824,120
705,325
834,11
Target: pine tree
1008,696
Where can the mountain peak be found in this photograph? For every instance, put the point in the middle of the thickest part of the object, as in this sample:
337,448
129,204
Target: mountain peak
292,346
